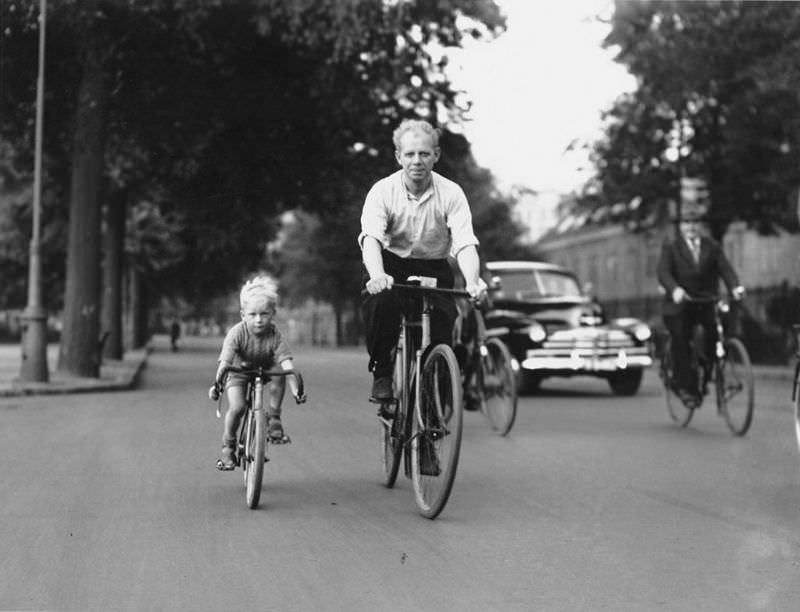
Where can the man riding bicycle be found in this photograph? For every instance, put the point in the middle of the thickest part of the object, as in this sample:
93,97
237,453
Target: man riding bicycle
691,266
412,220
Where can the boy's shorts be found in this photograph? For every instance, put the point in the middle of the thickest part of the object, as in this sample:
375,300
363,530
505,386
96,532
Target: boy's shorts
235,379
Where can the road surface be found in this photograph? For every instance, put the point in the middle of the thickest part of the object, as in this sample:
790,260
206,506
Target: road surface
593,502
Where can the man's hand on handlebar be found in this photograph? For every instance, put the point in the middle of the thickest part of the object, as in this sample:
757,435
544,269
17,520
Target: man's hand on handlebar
738,293
380,283
678,295
476,291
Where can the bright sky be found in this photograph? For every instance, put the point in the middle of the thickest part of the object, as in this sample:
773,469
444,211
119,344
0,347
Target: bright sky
536,88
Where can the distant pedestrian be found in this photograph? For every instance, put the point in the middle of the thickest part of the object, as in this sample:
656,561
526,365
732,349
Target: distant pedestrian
174,334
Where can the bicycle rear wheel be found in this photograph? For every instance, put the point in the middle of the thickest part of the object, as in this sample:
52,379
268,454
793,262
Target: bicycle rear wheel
679,412
735,387
437,424
254,455
498,386
392,430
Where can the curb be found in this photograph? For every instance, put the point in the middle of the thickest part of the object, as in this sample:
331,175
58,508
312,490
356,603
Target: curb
115,375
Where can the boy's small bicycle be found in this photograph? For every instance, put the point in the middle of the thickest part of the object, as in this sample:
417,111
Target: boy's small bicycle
490,372
729,369
422,423
252,440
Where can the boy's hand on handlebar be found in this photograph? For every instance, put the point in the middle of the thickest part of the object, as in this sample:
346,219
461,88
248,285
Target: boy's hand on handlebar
214,391
738,292
380,283
300,398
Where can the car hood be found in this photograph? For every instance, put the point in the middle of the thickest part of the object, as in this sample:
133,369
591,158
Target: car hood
552,313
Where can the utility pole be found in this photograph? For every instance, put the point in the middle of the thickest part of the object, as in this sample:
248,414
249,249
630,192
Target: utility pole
34,318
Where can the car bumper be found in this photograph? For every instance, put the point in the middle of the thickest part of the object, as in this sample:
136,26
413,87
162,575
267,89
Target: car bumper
582,360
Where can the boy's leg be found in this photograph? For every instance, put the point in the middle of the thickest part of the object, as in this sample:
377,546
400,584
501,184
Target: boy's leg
277,388
233,417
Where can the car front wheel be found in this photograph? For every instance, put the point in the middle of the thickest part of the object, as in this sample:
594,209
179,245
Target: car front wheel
626,383
529,382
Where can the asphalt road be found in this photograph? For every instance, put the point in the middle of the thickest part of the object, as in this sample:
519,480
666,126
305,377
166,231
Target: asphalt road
111,502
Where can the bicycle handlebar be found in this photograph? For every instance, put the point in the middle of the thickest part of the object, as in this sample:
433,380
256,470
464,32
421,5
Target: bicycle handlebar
264,373
456,292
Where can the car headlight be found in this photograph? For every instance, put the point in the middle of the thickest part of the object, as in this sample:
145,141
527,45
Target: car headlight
536,332
642,332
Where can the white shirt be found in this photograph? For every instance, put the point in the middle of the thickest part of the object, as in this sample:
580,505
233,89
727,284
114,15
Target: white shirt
433,226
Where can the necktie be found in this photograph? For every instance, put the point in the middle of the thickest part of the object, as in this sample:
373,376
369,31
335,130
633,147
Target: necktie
695,244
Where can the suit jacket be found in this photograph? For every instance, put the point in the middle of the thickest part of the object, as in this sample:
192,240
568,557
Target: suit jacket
677,268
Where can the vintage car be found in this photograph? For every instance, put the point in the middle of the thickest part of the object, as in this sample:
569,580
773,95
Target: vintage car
554,328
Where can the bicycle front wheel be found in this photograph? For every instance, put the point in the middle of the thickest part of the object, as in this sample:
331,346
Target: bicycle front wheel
735,387
679,412
499,389
254,455
437,424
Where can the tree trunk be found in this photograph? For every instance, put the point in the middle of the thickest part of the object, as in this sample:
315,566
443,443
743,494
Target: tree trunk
114,242
79,350
337,313
138,308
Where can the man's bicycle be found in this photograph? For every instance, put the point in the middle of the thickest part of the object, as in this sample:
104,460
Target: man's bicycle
490,371
422,423
252,441
729,369
796,383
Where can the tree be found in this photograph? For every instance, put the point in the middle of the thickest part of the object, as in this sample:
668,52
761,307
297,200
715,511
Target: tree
717,98
253,108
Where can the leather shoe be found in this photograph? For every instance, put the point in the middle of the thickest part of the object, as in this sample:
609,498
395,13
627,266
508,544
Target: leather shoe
382,388
689,399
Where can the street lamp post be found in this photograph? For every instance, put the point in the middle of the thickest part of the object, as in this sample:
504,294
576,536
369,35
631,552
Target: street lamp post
34,318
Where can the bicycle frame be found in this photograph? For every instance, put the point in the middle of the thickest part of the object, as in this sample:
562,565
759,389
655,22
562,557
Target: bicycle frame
251,439
425,429
410,369
729,367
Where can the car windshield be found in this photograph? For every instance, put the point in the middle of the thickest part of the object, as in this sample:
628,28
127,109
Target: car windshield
538,283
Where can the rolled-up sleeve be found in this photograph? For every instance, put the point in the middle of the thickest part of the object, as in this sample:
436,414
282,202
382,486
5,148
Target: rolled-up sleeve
374,216
459,221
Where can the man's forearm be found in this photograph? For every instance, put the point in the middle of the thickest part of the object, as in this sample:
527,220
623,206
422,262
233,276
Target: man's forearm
469,263
372,256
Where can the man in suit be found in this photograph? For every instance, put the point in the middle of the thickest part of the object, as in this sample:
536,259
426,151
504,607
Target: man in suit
691,266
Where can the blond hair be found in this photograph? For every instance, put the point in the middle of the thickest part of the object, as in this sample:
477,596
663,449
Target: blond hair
415,125
260,287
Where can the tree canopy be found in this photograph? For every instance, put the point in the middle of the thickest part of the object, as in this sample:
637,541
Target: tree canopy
210,119
717,98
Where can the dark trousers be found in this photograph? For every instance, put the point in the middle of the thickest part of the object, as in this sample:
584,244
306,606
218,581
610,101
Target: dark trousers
680,328
382,312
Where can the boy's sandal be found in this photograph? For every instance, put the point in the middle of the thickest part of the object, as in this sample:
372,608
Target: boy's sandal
227,461
276,433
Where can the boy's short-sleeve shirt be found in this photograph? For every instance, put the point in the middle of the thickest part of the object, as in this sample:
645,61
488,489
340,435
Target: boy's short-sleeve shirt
437,224
242,348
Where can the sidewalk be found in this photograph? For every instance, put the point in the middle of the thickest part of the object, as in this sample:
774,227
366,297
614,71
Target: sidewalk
115,374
